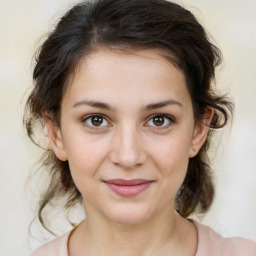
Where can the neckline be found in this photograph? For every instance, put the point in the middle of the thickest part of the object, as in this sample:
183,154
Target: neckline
196,225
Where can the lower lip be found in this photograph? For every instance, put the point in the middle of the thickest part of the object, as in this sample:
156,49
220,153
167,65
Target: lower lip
131,190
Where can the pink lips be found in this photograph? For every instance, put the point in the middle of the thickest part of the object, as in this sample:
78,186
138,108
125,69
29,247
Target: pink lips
128,187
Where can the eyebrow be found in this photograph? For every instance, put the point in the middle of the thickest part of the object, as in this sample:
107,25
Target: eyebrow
101,105
162,104
95,104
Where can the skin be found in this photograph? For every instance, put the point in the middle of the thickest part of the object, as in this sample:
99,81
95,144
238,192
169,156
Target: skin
128,143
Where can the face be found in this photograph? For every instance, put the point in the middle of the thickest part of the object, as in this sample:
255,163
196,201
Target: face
127,130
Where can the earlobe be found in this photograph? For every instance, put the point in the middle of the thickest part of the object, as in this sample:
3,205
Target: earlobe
200,132
52,131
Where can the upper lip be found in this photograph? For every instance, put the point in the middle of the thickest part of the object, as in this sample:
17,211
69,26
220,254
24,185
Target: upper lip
123,182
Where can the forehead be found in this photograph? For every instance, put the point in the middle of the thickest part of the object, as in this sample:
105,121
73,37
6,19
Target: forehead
101,55
106,73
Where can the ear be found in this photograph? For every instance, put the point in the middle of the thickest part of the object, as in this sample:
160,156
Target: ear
200,132
53,132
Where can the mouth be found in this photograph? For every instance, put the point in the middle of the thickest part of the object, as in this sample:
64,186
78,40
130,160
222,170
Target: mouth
128,187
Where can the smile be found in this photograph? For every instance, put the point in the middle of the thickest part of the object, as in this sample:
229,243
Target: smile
128,187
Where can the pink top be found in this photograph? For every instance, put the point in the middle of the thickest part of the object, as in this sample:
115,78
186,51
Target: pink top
209,244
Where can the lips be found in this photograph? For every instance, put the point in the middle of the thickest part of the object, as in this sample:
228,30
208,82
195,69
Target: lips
128,187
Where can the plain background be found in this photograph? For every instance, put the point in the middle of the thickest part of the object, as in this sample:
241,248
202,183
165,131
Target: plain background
232,25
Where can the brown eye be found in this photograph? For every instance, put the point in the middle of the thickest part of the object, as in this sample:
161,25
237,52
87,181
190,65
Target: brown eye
158,120
97,120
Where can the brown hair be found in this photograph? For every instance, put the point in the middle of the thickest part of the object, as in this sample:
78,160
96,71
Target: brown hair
133,24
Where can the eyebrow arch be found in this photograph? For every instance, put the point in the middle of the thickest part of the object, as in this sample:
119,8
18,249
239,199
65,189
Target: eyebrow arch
95,104
162,104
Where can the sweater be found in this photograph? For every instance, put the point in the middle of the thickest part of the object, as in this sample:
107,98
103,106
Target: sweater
209,244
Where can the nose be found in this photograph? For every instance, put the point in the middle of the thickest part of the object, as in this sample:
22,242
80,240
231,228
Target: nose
126,149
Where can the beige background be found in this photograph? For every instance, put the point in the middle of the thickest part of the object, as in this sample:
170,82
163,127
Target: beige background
231,23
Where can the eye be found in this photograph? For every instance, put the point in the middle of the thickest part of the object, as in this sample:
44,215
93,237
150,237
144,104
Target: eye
160,120
95,121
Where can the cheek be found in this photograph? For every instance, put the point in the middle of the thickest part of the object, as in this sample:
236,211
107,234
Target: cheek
174,170
171,159
171,151
85,158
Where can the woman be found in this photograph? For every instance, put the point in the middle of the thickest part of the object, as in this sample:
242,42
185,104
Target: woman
123,90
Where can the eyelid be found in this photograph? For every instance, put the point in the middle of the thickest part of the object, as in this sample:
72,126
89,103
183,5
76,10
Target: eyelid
85,118
171,119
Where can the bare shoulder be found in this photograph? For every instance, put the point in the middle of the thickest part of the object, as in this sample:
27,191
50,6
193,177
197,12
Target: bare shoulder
56,247
210,243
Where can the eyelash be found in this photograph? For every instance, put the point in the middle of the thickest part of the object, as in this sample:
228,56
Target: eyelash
95,127
169,119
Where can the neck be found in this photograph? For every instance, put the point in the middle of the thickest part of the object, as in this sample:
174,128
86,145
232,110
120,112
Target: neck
120,237
99,236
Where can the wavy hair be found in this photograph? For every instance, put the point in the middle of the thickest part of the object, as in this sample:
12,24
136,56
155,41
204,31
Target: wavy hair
133,24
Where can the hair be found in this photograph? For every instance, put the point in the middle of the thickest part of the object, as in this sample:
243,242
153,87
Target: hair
132,25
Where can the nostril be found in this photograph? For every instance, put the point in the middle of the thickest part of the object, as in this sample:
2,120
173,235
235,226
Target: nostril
126,148
127,160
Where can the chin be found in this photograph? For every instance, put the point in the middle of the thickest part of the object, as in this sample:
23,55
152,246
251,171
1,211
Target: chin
129,215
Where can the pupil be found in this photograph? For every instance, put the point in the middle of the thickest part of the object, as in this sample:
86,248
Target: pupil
158,120
97,120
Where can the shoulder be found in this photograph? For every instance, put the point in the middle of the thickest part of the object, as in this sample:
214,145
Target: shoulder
56,247
210,243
